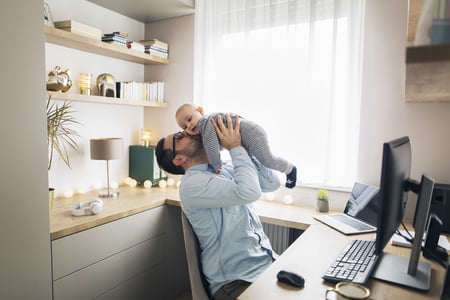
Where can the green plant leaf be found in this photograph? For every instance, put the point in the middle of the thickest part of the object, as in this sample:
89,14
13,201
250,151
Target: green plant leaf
322,194
61,137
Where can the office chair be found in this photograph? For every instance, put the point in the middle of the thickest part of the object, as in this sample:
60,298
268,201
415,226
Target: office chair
199,285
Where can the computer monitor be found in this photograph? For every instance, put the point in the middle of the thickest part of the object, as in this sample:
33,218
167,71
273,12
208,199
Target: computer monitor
394,186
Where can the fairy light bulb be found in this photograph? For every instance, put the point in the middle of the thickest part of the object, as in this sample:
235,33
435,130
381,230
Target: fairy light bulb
287,199
162,183
148,184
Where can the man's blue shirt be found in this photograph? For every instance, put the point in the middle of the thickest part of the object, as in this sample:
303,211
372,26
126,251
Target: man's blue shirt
234,245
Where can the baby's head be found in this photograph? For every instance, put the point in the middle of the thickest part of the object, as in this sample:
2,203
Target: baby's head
188,116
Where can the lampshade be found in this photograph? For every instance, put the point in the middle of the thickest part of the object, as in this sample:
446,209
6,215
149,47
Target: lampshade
106,148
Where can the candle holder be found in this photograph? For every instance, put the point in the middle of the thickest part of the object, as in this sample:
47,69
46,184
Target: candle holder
146,137
85,83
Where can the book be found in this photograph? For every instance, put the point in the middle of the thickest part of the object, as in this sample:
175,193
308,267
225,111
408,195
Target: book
115,38
157,53
79,28
155,47
116,42
140,91
116,34
121,33
155,42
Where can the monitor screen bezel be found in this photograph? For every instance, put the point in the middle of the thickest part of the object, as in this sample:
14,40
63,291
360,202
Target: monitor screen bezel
395,171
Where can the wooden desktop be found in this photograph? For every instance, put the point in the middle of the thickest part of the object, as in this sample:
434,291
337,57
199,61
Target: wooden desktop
308,256
312,253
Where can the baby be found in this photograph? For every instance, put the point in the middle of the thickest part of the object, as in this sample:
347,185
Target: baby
254,139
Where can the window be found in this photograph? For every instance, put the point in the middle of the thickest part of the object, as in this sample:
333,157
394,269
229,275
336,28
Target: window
291,66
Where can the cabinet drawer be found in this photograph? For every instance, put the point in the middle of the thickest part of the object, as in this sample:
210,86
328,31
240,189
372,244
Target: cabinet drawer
85,248
112,272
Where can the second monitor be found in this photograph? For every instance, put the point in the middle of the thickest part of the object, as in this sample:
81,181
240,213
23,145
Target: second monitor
394,185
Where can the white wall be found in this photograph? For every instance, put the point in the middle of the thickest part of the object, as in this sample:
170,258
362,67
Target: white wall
384,113
178,76
96,120
25,271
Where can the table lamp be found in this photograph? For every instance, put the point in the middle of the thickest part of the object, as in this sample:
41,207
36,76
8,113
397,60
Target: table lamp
107,149
146,137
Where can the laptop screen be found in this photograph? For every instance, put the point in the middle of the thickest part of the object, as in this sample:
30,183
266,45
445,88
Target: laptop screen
363,203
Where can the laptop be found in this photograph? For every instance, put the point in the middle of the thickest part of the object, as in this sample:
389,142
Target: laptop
360,213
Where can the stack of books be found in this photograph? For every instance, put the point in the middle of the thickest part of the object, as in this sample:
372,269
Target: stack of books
79,28
156,47
116,37
140,91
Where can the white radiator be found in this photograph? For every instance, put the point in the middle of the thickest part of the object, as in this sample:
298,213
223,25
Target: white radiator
278,236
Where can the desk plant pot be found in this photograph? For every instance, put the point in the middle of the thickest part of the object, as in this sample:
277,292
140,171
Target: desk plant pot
322,200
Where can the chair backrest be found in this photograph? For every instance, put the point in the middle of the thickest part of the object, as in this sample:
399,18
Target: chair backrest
199,285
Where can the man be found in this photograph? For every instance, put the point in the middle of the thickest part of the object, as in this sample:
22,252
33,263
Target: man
235,249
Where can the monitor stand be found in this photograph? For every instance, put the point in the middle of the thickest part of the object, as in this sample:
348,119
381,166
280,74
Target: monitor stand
394,269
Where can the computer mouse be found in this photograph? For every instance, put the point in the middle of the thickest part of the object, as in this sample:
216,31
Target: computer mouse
291,278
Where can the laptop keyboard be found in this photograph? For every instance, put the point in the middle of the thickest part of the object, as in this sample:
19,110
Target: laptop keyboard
355,263
351,222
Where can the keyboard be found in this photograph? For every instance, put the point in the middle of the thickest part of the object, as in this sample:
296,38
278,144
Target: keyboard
351,222
354,263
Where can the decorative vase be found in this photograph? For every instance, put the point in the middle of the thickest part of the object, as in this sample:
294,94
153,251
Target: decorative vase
322,206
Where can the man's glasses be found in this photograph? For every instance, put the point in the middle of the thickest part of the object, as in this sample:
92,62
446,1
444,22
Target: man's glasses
176,136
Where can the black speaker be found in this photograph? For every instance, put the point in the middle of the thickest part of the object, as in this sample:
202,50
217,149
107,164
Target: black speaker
440,205
434,230
431,249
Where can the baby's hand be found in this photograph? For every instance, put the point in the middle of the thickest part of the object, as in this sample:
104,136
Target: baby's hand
218,171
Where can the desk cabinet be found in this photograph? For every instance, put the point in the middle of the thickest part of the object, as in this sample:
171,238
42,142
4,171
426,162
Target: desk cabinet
125,259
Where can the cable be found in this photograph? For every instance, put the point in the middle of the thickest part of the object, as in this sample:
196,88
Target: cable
427,253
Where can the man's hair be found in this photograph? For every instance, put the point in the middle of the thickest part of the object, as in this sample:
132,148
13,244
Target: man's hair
164,157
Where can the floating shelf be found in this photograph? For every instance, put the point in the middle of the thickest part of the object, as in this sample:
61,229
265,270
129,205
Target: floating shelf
79,42
104,100
428,53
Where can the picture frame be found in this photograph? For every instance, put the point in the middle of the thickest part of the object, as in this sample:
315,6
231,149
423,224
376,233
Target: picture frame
48,18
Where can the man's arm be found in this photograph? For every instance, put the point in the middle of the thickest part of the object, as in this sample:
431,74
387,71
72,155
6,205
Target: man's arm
202,189
230,137
268,179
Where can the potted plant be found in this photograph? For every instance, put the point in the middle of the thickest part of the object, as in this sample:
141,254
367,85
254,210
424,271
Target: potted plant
322,200
60,135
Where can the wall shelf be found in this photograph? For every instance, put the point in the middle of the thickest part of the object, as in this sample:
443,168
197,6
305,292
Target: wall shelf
79,42
428,53
104,100
427,73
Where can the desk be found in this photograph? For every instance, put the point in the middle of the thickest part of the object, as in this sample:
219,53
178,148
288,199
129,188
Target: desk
309,255
312,253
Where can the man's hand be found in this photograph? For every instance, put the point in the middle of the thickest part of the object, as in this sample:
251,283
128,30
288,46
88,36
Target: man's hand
229,137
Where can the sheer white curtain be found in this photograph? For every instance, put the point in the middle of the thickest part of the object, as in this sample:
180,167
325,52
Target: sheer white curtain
292,66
